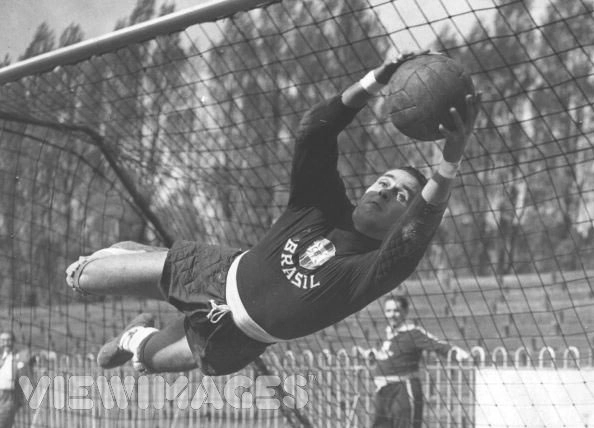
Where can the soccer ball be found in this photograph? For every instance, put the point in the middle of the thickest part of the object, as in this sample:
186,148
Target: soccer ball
422,90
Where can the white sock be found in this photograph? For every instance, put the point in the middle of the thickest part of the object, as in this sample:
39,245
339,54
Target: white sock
133,338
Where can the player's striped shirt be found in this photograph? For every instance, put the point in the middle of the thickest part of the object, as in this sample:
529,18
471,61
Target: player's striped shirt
403,350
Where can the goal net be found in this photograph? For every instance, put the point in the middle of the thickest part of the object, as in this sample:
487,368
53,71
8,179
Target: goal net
182,126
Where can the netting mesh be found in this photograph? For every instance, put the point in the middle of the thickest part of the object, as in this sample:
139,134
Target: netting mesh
189,135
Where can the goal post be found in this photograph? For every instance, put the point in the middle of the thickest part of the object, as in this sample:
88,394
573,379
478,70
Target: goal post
173,22
182,126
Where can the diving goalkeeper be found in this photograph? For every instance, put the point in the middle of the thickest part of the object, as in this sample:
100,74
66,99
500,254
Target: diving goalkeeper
322,260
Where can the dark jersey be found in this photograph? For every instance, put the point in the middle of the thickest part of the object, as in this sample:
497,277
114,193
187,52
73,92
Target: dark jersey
404,349
313,268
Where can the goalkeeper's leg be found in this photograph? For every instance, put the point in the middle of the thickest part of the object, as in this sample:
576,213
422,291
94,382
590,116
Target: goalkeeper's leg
188,343
151,350
124,269
192,277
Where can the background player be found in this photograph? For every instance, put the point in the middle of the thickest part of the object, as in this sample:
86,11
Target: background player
323,260
12,366
399,396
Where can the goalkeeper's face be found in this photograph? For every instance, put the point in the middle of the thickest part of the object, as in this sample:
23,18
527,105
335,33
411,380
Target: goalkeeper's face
384,202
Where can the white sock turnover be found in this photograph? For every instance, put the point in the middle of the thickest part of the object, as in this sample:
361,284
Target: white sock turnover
132,339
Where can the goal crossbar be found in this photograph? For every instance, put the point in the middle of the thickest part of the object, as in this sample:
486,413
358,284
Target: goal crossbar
177,21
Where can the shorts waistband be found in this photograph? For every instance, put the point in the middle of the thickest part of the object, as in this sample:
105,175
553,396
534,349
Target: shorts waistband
242,319
381,381
398,378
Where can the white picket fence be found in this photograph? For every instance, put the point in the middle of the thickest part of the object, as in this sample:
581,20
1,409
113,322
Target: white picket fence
329,390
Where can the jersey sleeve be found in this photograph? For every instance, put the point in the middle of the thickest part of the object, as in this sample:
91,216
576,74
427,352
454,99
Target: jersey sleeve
400,252
314,176
428,342
408,239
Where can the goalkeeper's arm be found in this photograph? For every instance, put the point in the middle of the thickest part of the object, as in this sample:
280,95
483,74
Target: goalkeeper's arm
371,84
437,189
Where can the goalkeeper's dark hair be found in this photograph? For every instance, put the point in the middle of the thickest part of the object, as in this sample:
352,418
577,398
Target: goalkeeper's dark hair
418,175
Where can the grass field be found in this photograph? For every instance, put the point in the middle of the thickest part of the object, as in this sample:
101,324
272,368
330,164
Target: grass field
531,311
528,310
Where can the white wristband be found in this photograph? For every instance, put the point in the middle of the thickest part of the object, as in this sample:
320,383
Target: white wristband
370,85
448,169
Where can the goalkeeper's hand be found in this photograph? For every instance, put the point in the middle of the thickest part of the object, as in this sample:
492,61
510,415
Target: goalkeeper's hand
456,139
385,71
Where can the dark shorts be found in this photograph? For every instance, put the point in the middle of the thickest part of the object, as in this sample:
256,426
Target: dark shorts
193,274
9,405
394,408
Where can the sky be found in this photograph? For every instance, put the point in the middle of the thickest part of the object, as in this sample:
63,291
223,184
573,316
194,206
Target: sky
20,18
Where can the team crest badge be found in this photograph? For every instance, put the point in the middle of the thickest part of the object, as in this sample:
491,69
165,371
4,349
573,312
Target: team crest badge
318,253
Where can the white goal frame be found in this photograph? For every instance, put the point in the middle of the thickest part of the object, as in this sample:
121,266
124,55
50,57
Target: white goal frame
209,11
